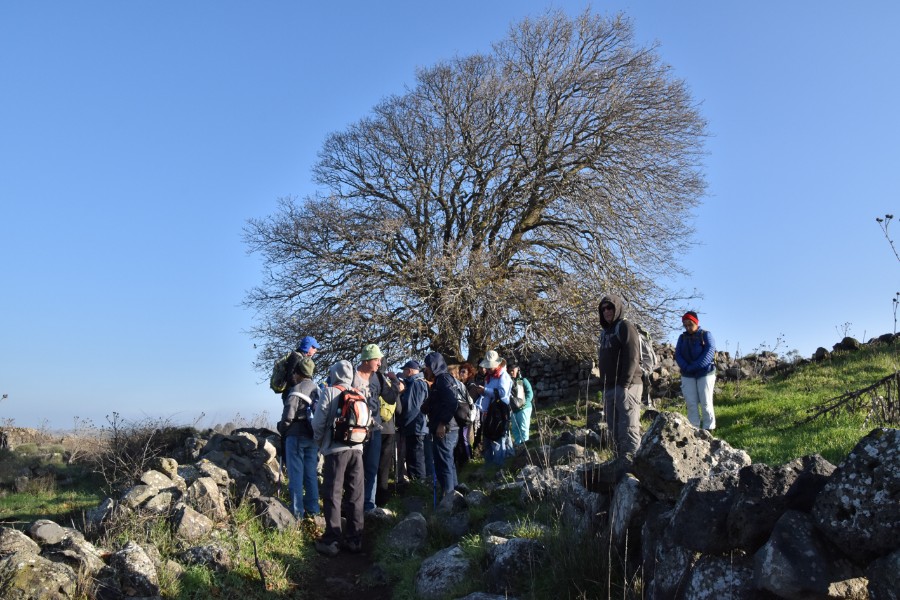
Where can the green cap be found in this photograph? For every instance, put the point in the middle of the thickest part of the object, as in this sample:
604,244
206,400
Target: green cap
371,351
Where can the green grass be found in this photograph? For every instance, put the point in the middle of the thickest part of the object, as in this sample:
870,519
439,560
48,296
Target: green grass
43,497
762,417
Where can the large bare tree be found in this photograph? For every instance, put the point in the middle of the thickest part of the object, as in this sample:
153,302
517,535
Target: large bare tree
493,203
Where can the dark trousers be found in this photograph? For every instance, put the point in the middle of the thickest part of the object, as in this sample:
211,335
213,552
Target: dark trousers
415,456
343,469
388,447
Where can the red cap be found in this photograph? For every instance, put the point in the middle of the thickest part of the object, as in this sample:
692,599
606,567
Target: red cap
690,317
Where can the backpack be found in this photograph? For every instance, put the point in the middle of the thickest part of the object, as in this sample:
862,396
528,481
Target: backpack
649,360
496,421
353,421
281,371
465,408
517,395
386,410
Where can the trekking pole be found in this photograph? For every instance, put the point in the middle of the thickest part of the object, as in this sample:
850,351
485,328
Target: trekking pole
396,464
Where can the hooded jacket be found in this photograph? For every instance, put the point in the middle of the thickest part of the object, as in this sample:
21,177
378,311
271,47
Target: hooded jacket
414,395
340,373
442,398
618,355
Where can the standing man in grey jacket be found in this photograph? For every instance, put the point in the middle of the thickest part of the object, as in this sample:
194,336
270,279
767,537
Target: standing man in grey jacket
619,360
343,469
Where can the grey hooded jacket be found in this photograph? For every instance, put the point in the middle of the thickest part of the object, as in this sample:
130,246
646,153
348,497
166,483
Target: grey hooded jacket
340,373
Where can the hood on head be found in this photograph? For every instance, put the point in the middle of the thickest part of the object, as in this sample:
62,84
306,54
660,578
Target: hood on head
341,373
435,361
615,301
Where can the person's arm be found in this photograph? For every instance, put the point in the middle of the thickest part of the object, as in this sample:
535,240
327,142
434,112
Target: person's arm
322,410
680,359
630,353
529,391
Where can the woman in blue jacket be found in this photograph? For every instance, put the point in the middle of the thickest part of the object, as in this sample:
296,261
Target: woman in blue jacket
695,354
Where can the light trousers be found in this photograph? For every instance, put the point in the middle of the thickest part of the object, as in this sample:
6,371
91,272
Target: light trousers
698,395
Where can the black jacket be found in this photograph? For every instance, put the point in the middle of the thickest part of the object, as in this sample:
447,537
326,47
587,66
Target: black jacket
442,398
619,351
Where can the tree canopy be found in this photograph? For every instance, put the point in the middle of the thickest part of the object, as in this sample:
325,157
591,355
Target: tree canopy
492,203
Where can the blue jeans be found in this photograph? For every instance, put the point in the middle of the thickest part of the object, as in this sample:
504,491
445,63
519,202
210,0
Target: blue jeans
444,467
371,460
495,452
302,456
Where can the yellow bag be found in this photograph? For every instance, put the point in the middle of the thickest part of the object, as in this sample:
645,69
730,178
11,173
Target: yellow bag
387,410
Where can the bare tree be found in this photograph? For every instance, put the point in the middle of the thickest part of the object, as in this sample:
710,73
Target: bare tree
493,203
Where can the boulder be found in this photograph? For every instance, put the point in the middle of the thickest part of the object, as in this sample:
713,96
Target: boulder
273,513
135,571
214,556
700,517
798,563
764,493
884,577
716,577
13,541
629,503
203,496
674,451
441,572
513,564
409,535
28,576
858,509
190,525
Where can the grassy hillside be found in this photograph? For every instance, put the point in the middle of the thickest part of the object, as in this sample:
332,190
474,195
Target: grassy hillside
761,416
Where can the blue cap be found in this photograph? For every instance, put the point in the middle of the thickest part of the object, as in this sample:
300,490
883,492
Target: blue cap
307,343
413,364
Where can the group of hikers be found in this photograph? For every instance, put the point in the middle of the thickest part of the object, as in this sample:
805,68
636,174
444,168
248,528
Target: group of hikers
367,422
432,417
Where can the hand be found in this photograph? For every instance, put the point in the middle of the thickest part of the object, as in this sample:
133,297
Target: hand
441,431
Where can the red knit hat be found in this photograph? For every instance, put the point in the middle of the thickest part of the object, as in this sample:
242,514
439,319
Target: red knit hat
691,316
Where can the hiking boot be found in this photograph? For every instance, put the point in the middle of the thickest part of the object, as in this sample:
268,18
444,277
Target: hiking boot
329,550
352,546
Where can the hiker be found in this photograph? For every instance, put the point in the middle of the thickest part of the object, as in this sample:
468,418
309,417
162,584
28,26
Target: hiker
414,425
389,439
300,450
373,386
521,417
441,420
695,353
308,346
495,421
619,361
343,469
463,452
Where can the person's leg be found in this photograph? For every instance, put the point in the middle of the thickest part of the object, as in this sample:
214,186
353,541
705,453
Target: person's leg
385,465
689,388
705,386
517,427
453,439
400,440
310,455
355,481
332,494
415,456
610,414
526,423
443,460
630,413
371,460
295,473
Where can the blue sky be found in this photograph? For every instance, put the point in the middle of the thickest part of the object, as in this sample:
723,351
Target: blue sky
136,139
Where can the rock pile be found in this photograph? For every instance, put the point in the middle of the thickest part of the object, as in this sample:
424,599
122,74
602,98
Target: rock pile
690,516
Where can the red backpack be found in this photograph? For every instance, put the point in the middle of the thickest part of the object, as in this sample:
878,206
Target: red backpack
354,419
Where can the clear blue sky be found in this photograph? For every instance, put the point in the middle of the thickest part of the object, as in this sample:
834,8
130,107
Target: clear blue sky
136,139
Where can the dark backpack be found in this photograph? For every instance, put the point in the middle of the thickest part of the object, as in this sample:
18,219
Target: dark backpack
496,421
354,419
465,407
281,371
